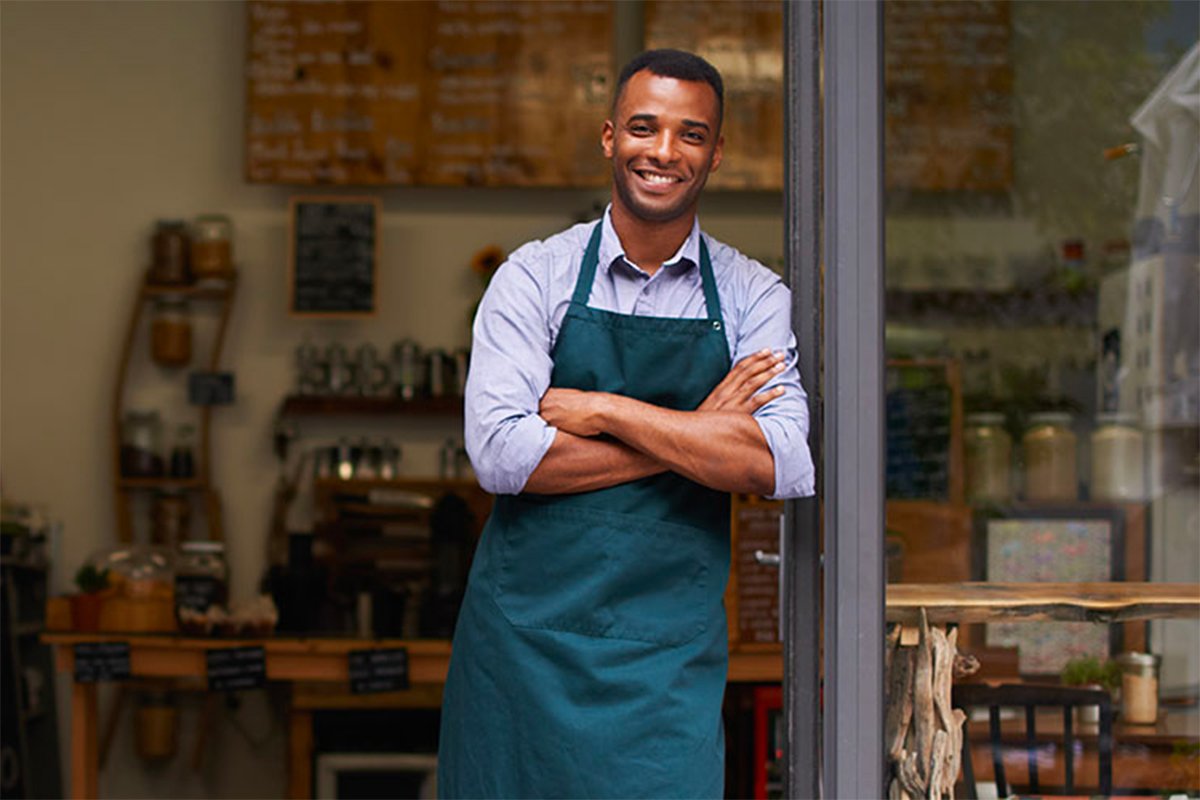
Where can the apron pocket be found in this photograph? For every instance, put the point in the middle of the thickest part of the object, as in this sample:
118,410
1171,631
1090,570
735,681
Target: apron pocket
601,573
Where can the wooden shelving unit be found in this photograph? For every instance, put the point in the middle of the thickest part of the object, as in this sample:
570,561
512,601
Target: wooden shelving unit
221,293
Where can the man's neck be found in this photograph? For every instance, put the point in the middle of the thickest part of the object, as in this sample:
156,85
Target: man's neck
649,244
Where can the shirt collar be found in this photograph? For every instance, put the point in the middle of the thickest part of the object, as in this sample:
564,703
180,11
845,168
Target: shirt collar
688,254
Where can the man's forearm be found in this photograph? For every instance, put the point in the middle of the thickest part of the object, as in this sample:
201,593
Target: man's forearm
577,464
719,449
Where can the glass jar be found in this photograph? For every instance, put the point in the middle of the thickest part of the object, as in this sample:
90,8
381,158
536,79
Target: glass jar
989,458
1048,448
139,572
1118,458
171,332
170,257
141,445
1139,687
212,246
201,578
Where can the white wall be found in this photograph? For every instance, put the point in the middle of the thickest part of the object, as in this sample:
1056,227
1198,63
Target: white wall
115,115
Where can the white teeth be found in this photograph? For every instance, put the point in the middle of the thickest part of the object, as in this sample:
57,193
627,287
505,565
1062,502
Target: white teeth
652,178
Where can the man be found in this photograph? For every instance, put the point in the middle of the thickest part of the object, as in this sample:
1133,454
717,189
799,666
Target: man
590,654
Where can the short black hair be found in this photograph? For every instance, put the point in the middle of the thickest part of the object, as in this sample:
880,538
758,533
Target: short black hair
678,64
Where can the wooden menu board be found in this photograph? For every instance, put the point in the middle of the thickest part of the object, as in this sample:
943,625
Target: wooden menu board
948,90
745,42
753,597
433,93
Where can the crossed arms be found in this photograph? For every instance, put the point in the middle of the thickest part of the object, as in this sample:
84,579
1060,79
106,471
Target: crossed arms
605,439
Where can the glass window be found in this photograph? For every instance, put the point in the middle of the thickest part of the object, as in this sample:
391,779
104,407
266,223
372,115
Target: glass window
1043,378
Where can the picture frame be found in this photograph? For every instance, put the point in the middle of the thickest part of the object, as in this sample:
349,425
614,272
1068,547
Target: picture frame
1072,543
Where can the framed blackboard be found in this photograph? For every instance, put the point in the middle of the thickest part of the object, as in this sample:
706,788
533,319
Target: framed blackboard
373,671
333,256
231,668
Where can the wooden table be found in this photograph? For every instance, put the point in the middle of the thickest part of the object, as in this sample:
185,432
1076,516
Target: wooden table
318,670
1071,602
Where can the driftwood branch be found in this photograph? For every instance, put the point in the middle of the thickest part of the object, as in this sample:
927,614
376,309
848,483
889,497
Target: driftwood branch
923,732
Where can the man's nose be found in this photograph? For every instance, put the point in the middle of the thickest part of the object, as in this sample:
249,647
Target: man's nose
663,149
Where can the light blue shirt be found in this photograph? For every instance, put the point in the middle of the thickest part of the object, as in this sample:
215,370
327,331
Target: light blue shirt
522,311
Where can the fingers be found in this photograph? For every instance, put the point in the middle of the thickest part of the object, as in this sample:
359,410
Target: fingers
762,398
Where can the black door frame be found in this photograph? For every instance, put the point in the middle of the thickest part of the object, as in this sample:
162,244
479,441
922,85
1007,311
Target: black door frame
834,186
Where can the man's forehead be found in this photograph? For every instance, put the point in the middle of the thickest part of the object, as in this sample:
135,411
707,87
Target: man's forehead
639,94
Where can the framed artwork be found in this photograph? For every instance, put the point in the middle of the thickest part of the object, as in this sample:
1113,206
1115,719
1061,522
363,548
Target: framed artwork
1077,544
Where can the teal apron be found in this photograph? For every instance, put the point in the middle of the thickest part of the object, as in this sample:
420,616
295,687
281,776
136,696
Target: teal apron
590,654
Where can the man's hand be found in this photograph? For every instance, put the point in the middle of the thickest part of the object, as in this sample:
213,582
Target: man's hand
572,410
738,390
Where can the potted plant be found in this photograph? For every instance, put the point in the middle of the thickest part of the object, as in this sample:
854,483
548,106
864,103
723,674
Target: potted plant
1091,673
86,605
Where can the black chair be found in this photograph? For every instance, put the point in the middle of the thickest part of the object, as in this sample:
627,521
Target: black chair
1030,697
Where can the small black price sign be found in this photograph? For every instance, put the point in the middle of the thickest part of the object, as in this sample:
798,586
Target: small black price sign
231,668
101,661
373,671
197,592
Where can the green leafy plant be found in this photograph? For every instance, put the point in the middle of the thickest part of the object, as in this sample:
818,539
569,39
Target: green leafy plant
91,580
1085,671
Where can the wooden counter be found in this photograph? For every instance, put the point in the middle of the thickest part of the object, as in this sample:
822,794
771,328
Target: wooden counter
318,670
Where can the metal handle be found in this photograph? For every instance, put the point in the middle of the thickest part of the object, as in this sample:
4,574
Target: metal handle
767,559
776,560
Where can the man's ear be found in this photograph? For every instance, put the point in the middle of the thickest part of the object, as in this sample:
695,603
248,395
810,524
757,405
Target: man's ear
718,152
606,138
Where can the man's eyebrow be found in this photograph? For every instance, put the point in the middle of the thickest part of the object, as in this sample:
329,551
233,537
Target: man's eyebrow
689,123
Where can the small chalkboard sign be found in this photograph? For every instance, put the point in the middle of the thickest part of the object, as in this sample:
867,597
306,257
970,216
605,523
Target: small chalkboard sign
210,388
374,671
230,668
334,256
198,592
101,661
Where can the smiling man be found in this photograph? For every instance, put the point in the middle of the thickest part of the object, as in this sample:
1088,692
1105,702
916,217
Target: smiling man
604,411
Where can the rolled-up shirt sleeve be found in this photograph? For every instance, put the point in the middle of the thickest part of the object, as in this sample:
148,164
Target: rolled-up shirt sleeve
767,323
510,371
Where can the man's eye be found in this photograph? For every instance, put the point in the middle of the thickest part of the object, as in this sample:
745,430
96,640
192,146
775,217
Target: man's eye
639,130
694,136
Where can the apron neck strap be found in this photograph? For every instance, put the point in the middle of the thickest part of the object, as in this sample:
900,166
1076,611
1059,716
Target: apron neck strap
591,258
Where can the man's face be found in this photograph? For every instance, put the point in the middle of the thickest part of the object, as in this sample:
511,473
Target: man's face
663,140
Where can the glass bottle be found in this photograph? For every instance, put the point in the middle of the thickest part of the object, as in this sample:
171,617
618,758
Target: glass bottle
183,460
1049,453
989,458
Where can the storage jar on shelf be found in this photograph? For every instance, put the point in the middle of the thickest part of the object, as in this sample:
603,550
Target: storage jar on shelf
1048,450
1118,459
212,246
171,332
989,458
141,445
170,254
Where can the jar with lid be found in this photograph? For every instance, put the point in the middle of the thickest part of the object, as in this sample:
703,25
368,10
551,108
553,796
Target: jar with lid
1118,459
989,458
171,332
1048,448
201,576
170,254
1139,687
212,246
138,572
141,445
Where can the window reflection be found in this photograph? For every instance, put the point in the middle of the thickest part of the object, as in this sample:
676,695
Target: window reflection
1043,381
